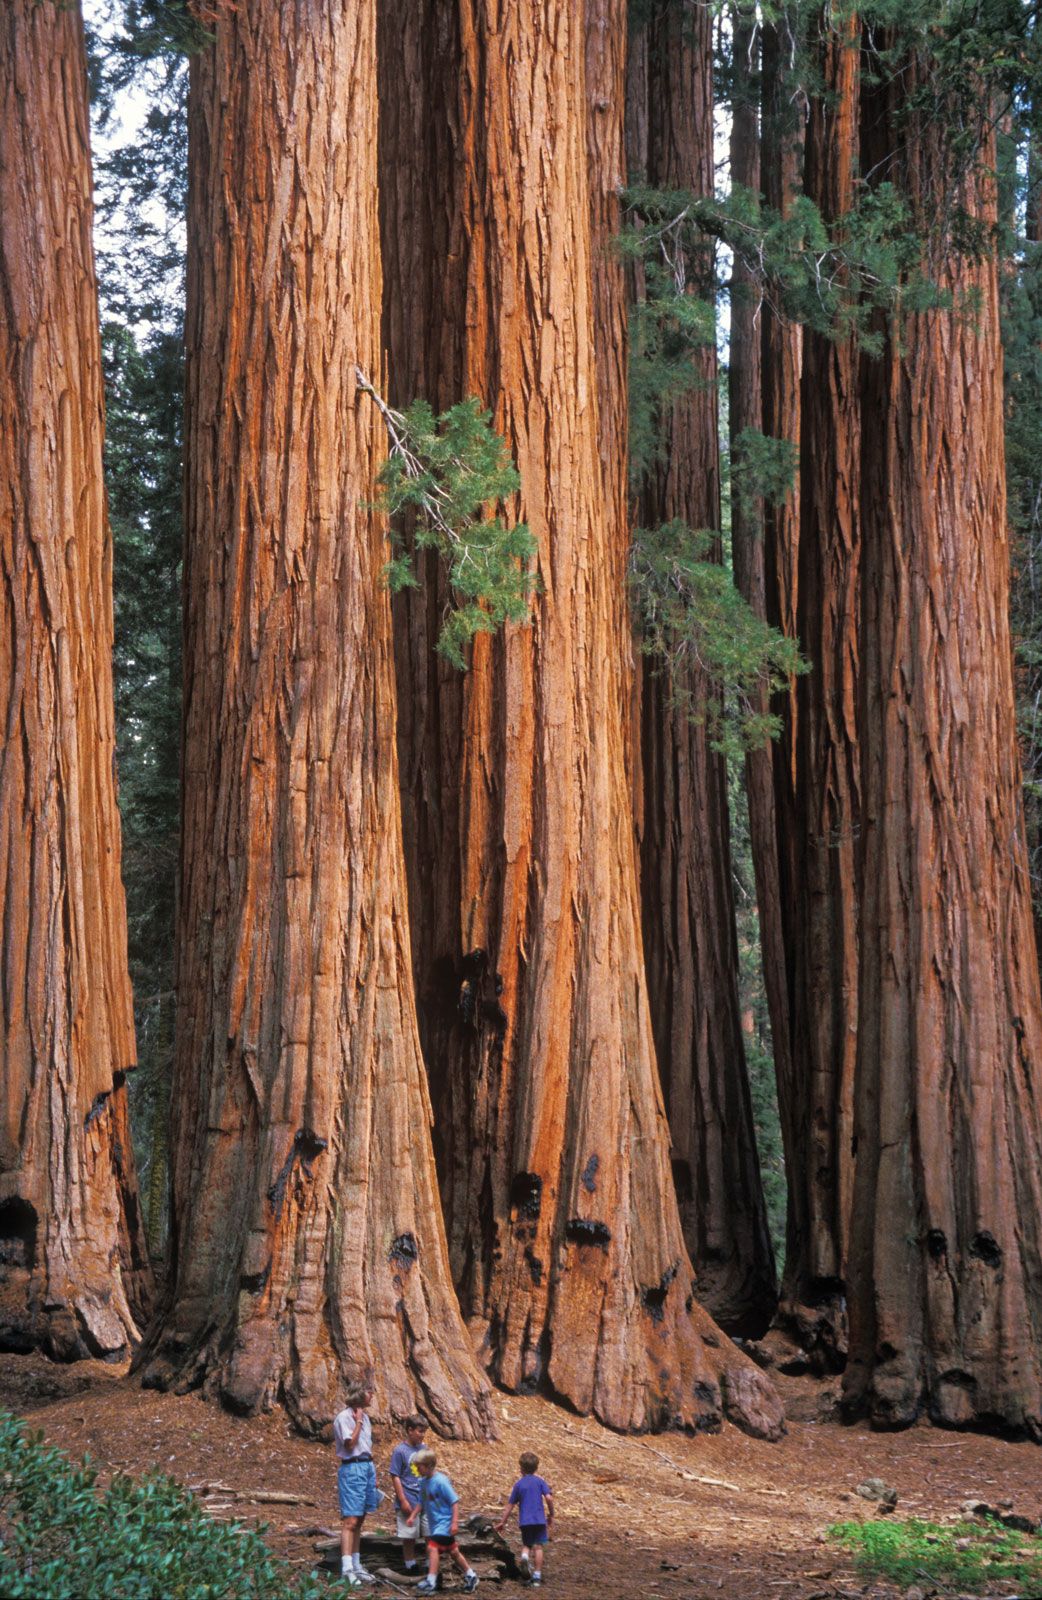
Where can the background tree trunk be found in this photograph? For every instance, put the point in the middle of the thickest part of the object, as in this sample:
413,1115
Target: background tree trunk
688,918
945,1277
74,1274
426,246
565,1236
781,172
821,941
308,1247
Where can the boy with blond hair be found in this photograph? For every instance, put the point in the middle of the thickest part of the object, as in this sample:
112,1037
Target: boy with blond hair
439,1503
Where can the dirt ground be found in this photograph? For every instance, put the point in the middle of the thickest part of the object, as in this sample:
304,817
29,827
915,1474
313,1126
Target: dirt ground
658,1517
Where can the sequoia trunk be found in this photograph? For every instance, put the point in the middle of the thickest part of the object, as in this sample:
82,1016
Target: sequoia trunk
945,1277
781,166
307,1241
821,941
565,1236
74,1275
690,942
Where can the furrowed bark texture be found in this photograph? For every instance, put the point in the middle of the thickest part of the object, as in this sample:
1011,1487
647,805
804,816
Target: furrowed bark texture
606,30
74,1274
945,1275
821,942
308,1247
781,169
690,942
565,1237
426,249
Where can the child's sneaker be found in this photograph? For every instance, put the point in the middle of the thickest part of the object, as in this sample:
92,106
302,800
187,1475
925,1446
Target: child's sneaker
536,1579
352,1580
427,1586
365,1575
470,1583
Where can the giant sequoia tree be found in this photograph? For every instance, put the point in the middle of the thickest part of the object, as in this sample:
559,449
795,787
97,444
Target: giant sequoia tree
820,910
565,1236
73,1271
687,896
945,1277
307,1242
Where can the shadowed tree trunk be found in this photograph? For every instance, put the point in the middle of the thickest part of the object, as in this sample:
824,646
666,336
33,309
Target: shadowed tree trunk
307,1243
945,1276
565,1236
781,161
425,247
690,942
822,907
74,1274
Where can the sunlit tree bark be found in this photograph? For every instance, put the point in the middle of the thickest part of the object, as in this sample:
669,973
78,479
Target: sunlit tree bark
74,1274
307,1241
564,1232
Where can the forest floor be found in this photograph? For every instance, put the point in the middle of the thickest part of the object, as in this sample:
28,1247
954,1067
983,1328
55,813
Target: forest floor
661,1517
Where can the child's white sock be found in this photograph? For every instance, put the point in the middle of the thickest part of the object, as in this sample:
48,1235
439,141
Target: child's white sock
356,1560
410,1566
346,1565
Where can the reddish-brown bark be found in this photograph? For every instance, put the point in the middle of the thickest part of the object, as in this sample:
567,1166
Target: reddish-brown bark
74,1274
822,905
781,167
690,944
308,1247
565,1237
945,1276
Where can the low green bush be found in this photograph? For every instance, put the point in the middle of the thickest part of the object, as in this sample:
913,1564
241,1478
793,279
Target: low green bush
962,1556
65,1537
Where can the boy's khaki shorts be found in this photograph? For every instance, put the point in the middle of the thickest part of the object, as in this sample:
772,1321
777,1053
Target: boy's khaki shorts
411,1530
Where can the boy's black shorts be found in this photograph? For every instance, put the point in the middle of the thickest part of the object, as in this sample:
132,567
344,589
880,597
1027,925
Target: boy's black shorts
533,1533
445,1542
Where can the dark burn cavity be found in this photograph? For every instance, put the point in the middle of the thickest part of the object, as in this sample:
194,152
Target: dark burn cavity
472,970
526,1194
682,1181
255,1282
97,1106
535,1266
936,1244
17,1233
986,1248
578,1230
589,1174
305,1147
653,1296
404,1250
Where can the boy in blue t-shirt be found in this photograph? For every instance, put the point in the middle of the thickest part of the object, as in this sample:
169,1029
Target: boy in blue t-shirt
406,1482
439,1503
534,1500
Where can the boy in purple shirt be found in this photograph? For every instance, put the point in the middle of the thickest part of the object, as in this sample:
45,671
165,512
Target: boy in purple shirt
535,1512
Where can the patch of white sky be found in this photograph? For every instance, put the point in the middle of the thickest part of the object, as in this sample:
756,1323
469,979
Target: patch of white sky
118,124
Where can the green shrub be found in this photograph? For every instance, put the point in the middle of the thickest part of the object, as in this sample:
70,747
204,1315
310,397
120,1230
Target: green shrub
63,1537
962,1556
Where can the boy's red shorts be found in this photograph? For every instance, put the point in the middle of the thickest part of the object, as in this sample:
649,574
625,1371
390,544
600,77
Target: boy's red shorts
445,1542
